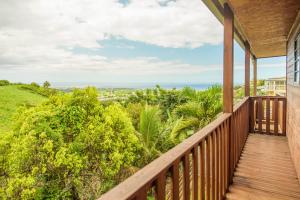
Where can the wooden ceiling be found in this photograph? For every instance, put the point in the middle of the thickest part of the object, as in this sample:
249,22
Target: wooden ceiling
266,24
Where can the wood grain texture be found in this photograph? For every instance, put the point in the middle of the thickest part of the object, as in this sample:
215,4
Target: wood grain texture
247,69
265,171
293,102
228,60
254,60
266,24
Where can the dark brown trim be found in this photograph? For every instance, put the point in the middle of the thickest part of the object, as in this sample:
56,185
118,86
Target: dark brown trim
247,69
228,60
254,76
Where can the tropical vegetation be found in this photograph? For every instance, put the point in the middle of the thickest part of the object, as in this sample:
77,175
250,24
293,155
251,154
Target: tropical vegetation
73,146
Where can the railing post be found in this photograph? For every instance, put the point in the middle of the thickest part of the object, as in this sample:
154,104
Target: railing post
228,60
254,60
247,69
228,86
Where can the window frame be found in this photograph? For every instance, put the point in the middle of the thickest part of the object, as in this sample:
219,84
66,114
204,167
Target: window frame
296,67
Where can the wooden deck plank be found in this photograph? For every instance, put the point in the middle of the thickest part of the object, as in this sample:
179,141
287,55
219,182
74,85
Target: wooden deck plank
265,171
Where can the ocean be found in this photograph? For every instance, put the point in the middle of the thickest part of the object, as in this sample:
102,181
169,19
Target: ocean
197,86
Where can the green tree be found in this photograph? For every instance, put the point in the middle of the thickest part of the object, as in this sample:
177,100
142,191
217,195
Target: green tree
4,82
70,147
199,111
46,84
149,129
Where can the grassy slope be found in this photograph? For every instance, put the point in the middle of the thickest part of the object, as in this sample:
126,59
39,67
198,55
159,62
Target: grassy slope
11,97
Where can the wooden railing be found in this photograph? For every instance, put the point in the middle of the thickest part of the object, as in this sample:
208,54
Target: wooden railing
201,166
268,115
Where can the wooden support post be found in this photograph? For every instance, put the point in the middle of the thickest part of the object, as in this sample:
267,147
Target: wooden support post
254,76
228,60
247,69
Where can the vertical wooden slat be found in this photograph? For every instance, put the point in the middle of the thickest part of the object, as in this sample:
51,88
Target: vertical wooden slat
202,172
161,186
228,60
263,109
276,116
224,158
207,150
213,164
175,178
231,131
226,132
273,110
251,112
221,162
218,164
284,117
141,194
186,163
268,115
247,69
260,115
195,169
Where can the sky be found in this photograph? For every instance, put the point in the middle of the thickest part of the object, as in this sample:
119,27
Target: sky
117,41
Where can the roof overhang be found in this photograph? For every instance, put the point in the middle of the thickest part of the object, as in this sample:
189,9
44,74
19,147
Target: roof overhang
265,25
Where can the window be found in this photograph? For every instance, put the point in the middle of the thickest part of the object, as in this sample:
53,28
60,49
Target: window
297,60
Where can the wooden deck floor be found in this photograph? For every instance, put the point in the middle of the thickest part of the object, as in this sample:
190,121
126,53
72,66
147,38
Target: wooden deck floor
265,171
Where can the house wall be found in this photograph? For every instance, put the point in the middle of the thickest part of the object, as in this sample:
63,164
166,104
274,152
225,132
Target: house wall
293,101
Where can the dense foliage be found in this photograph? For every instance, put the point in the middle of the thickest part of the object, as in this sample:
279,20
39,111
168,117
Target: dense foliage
75,147
67,148
4,82
36,88
163,118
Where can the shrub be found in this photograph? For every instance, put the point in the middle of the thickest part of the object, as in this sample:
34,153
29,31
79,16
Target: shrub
4,82
70,147
35,88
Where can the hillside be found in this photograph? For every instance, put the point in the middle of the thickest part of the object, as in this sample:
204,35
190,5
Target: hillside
12,97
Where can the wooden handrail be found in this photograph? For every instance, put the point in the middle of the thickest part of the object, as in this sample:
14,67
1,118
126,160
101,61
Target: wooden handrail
212,153
150,172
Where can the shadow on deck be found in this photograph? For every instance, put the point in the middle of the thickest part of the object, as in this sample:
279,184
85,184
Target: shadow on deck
265,171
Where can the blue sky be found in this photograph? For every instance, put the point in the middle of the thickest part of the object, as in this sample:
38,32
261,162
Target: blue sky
113,41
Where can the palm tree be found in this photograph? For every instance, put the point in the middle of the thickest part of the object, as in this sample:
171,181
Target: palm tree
201,110
149,129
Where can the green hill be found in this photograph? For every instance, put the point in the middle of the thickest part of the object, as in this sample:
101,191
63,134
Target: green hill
12,97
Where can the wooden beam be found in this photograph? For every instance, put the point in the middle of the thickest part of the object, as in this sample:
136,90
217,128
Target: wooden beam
247,69
254,75
228,60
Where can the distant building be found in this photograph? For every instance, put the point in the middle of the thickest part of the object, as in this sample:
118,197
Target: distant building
275,86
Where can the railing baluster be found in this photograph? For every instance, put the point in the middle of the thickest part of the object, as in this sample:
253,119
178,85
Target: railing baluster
273,109
260,114
142,194
251,102
284,117
268,115
207,150
223,159
202,168
175,179
276,117
213,162
226,132
161,186
218,163
195,168
186,163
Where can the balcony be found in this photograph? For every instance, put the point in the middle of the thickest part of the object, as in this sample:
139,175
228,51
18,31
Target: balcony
243,155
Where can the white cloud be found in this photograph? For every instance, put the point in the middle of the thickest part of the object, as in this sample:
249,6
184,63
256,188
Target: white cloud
38,34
